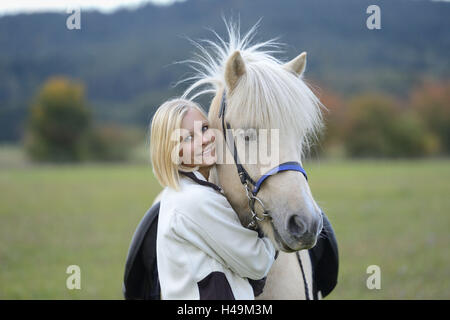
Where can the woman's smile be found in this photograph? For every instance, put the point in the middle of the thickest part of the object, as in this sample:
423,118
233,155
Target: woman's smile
208,150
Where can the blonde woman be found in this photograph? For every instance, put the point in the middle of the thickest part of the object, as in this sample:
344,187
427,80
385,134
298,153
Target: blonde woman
202,250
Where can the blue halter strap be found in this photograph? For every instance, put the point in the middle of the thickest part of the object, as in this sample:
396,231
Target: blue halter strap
286,166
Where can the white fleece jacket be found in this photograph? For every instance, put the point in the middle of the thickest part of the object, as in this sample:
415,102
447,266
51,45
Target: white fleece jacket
202,246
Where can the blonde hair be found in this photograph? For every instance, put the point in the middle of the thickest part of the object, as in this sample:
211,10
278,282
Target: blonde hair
165,123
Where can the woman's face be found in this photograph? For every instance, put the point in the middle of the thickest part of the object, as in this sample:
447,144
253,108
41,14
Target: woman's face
197,140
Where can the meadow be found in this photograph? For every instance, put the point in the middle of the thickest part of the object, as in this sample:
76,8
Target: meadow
393,214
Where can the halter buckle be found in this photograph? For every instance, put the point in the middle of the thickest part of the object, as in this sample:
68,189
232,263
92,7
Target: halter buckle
251,203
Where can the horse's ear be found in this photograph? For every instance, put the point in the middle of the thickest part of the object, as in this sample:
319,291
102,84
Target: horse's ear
296,65
234,69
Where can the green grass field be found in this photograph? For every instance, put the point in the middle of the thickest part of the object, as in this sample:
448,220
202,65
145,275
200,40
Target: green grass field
394,214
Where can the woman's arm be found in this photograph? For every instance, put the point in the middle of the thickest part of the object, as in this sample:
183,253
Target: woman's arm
213,226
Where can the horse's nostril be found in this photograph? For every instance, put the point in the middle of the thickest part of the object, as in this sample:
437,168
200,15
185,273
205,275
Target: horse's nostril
296,226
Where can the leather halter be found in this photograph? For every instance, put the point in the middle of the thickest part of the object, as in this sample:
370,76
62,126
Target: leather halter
252,188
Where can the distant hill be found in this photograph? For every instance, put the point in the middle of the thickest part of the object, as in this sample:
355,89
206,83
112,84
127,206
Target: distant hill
125,59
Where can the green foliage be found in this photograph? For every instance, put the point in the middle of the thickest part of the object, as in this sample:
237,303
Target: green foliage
432,103
409,137
378,127
60,128
58,119
126,58
111,142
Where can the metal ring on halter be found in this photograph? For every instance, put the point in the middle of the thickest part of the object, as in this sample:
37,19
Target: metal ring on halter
251,203
252,200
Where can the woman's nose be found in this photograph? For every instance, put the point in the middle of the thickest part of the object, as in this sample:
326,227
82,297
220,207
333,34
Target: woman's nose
208,138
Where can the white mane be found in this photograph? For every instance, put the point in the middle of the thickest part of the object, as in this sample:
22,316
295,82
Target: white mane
266,96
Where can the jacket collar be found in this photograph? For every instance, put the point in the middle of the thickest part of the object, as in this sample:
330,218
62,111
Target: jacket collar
197,177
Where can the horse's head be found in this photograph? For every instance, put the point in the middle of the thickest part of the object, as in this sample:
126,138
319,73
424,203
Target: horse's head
272,114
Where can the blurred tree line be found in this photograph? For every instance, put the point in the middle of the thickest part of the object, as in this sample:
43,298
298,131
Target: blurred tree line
126,58
60,127
379,125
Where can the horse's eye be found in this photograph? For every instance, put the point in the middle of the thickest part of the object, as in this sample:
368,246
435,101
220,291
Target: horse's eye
249,135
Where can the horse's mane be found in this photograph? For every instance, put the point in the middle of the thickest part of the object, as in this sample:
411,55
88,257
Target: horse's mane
267,96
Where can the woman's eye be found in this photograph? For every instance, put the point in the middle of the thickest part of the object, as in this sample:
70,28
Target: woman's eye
204,128
188,138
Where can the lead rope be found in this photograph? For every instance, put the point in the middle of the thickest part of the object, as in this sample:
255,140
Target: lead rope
304,277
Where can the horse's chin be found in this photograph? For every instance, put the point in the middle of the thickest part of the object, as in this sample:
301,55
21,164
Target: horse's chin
280,244
283,246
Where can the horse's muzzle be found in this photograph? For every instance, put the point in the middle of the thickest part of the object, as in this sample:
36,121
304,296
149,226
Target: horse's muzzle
301,233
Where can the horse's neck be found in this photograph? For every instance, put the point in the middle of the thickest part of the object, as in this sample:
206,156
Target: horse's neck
285,280
213,177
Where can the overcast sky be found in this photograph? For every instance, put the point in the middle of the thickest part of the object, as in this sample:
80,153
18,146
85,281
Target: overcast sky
31,6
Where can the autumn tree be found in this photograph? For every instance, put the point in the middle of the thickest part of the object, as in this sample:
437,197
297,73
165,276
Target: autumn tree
59,117
432,102
376,126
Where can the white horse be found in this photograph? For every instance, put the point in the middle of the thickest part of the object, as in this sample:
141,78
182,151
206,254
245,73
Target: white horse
264,93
